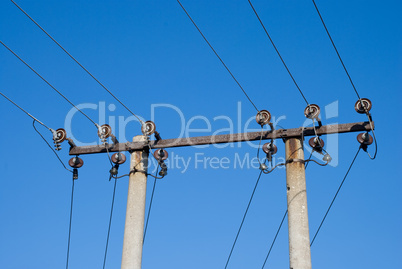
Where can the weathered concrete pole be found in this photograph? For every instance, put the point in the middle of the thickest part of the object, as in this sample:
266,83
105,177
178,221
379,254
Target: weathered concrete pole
135,214
299,238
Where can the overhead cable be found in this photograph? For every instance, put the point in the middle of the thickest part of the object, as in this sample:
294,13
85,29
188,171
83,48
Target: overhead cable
35,119
110,223
336,194
150,205
242,221
69,226
274,240
57,155
47,82
336,50
217,55
277,51
76,61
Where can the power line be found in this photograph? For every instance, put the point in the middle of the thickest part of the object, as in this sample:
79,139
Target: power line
150,205
110,223
244,217
57,155
336,50
35,119
69,227
277,51
33,70
336,194
273,242
217,55
33,124
75,60
347,73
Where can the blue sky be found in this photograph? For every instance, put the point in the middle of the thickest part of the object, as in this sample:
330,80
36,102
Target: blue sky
150,55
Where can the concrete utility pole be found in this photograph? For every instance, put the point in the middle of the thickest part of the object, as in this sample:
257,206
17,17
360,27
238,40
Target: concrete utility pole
135,214
299,238
299,241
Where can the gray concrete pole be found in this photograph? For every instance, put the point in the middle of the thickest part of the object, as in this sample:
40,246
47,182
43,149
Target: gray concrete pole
299,238
135,214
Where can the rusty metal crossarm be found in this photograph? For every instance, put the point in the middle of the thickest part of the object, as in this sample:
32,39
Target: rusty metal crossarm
225,138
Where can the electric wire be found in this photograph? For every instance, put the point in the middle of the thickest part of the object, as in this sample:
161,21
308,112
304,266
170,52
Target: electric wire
33,124
57,155
348,75
110,223
108,154
336,50
259,145
375,139
273,242
244,217
33,70
277,51
217,55
150,205
336,194
75,60
35,119
69,227
308,160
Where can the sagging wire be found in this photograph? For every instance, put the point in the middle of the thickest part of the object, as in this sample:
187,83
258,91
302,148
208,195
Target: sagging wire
161,164
57,155
263,117
327,159
160,155
363,106
308,159
259,145
375,144
312,112
58,135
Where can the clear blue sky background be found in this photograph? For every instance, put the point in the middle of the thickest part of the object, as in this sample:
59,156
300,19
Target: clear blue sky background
148,52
